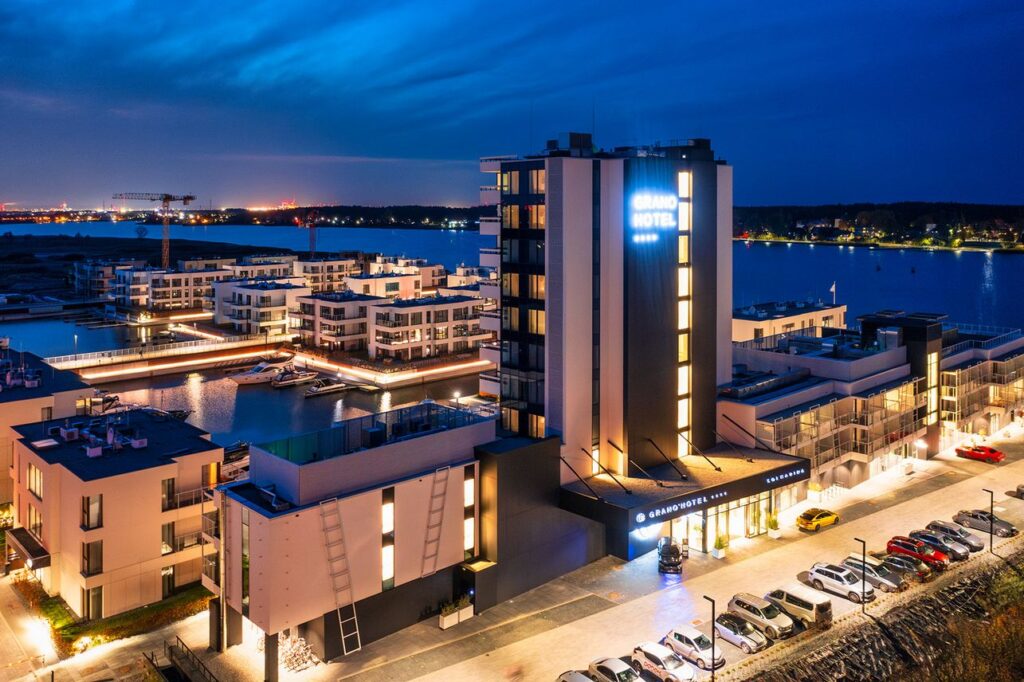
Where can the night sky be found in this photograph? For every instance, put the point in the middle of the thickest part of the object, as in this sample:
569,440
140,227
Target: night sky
251,102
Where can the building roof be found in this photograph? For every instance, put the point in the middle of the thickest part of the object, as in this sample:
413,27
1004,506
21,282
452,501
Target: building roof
271,286
165,439
778,309
382,275
428,301
343,296
44,380
463,287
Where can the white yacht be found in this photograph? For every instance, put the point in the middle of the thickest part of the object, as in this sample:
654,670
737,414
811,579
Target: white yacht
262,373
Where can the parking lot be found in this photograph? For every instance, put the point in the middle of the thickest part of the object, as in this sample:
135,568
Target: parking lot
615,631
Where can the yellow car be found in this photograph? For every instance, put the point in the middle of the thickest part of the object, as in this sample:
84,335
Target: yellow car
815,519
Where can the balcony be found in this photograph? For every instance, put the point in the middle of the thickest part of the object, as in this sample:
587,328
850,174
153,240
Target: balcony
211,525
491,352
180,543
492,164
183,499
211,568
490,226
490,288
489,195
490,320
490,384
490,258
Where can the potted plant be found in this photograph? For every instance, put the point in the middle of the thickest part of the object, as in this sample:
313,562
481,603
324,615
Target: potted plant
774,532
465,607
449,615
718,551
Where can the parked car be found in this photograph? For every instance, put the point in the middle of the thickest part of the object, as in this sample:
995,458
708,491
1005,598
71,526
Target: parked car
958,533
936,560
815,519
982,453
876,573
670,555
611,670
572,676
661,662
810,608
841,581
912,568
739,632
762,614
956,551
980,520
693,645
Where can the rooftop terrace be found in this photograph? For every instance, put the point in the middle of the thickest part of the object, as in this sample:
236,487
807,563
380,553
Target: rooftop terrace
779,309
821,342
372,431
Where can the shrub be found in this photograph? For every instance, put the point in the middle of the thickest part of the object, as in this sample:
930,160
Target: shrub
773,522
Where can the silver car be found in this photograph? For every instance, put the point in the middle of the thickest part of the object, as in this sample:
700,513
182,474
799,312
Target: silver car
957,551
740,633
762,614
841,581
958,533
611,670
693,645
876,573
983,520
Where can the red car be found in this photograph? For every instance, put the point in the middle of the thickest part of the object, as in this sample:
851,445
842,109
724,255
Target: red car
982,453
920,551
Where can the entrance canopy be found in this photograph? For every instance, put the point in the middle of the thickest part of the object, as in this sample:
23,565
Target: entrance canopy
727,474
28,548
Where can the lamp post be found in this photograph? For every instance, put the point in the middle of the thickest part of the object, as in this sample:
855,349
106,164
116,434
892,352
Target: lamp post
863,573
457,395
712,636
76,344
991,520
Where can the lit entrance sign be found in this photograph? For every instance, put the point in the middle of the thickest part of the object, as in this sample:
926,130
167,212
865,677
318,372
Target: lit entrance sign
650,212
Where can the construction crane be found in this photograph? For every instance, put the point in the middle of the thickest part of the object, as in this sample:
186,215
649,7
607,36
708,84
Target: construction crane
165,209
307,219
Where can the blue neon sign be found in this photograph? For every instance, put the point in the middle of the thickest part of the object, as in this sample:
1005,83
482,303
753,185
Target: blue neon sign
650,213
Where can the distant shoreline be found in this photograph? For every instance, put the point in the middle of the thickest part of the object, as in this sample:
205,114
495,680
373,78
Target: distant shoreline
881,245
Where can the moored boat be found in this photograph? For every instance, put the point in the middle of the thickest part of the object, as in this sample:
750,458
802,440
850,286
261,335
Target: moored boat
325,386
293,377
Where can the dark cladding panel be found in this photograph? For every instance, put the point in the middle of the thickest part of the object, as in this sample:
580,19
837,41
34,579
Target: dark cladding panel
704,309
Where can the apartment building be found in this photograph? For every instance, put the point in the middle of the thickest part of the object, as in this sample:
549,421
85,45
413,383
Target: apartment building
349,534
108,508
431,275
96,278
158,289
857,402
409,329
780,317
335,320
327,273
204,263
31,391
466,275
258,306
385,285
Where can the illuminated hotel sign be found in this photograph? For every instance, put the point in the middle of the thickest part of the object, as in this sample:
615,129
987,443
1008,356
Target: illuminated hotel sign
651,212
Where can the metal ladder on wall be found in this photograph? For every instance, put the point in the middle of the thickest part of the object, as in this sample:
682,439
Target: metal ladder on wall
341,578
435,518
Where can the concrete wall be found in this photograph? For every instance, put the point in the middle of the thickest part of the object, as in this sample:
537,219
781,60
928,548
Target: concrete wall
743,329
829,368
612,307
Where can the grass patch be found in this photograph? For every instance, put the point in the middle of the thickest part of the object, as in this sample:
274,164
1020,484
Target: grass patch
71,636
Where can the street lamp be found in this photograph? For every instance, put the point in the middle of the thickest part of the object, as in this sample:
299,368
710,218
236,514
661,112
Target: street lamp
991,520
863,573
457,395
712,636
76,344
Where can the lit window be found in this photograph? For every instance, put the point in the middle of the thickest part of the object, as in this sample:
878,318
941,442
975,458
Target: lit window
684,347
684,249
683,380
684,216
387,512
468,534
684,185
468,493
682,443
387,562
683,413
684,315
684,282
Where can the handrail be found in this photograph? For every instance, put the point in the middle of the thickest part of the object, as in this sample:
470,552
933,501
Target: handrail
767,447
189,656
682,474
178,348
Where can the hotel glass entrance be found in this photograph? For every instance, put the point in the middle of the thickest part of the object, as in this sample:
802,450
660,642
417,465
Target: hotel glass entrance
745,518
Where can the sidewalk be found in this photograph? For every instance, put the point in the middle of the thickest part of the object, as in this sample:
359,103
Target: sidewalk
20,650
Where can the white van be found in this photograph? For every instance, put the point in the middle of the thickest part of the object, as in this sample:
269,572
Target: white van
810,607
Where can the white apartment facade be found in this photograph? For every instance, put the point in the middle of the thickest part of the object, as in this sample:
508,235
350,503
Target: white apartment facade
334,320
157,289
258,306
386,285
425,327
431,275
779,317
108,509
98,278
327,273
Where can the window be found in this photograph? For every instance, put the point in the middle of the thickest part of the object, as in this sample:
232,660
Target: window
35,522
758,332
536,426
538,181
684,249
468,512
46,414
92,512
684,315
510,419
391,287
537,216
92,558
538,287
684,185
167,496
510,284
683,380
510,217
167,581
245,561
684,282
167,538
92,603
387,538
537,322
35,481
684,347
